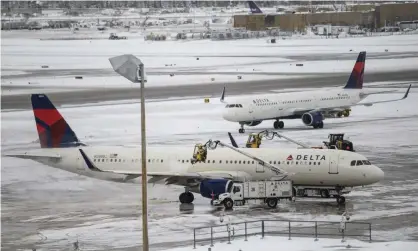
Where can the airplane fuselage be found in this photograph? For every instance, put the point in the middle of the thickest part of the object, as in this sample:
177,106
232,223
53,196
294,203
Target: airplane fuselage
284,105
314,167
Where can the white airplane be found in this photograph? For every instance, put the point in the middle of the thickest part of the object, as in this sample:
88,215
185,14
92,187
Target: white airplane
310,106
323,170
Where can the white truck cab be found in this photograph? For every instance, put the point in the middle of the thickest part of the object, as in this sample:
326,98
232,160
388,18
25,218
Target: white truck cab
270,192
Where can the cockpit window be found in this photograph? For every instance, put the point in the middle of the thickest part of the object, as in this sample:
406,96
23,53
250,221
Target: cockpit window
233,105
360,162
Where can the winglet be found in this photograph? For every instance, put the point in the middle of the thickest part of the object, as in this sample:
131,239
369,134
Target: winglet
233,142
407,92
223,96
89,164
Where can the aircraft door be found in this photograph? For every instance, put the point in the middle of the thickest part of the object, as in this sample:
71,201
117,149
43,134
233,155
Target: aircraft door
333,163
259,168
251,110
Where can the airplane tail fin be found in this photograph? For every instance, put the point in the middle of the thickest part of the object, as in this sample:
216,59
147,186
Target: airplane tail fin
356,78
254,8
53,130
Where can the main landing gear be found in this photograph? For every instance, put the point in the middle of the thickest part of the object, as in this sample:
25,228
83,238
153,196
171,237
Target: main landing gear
186,197
319,125
278,124
339,197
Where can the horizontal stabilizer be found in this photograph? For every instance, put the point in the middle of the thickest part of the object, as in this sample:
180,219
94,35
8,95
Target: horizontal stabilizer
34,155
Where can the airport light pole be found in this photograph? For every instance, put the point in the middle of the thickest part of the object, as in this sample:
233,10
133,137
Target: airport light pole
144,165
132,68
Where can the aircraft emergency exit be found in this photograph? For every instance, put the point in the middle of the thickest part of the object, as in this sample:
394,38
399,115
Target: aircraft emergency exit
309,106
325,170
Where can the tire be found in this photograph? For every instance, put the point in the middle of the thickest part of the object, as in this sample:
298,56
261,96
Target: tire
272,202
183,198
281,124
341,200
190,197
324,193
228,203
321,125
276,124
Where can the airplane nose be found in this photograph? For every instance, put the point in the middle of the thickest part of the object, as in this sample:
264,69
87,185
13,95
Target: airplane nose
226,114
378,174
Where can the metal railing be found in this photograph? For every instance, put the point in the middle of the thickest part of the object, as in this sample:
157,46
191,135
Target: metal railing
316,229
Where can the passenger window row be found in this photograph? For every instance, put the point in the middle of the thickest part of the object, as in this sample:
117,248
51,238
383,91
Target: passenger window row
360,162
253,162
333,98
366,162
285,102
123,160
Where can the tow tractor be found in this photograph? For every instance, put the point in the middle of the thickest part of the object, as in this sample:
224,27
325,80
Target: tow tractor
337,141
270,192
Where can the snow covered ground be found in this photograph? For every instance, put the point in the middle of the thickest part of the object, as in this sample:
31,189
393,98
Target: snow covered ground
224,61
301,244
114,220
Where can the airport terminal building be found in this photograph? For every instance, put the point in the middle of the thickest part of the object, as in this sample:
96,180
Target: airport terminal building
365,16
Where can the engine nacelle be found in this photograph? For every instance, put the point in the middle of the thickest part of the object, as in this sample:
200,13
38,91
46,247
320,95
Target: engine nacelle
215,186
253,123
312,118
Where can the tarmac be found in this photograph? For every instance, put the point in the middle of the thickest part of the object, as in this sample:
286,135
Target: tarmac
81,96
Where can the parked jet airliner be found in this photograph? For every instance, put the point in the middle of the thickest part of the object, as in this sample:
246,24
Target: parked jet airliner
309,106
323,170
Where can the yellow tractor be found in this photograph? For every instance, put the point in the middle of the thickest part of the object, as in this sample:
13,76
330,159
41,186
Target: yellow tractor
344,113
199,154
254,140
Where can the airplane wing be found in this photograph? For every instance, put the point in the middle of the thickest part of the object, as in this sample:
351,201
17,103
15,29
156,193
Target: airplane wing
300,111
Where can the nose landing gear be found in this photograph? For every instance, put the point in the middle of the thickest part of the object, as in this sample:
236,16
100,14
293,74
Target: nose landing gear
241,130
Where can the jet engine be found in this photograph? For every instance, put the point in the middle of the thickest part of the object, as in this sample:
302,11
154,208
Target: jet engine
312,118
253,123
215,187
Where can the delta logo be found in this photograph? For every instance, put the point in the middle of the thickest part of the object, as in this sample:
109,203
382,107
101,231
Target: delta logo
306,157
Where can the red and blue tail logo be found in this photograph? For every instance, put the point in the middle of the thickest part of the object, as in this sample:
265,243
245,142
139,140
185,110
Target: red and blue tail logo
356,78
53,130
